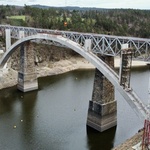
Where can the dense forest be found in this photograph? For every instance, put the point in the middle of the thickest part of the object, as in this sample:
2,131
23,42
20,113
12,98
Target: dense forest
123,22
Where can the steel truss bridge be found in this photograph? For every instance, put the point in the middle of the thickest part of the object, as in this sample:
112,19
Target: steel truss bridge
104,44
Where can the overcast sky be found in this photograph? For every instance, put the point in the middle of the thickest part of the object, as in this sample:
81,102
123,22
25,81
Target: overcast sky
135,4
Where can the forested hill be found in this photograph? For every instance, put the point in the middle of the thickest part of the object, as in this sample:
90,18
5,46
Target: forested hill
124,22
70,8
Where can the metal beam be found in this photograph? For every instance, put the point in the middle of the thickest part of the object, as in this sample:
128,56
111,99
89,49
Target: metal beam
104,44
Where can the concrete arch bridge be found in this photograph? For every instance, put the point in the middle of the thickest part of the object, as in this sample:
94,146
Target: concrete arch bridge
102,107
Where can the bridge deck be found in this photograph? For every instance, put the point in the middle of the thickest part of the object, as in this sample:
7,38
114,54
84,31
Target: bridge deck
101,43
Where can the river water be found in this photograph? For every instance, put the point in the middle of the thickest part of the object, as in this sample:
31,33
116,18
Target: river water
54,117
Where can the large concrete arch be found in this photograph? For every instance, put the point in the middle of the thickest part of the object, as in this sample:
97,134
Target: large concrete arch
130,96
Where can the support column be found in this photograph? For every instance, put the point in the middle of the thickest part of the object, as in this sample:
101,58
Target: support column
8,39
27,78
102,112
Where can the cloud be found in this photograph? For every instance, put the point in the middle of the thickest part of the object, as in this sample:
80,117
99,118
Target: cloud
33,1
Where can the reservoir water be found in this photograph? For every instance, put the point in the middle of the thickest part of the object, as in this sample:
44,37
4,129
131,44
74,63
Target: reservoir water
54,117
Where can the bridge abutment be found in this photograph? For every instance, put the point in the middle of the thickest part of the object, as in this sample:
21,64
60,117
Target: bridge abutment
27,78
102,112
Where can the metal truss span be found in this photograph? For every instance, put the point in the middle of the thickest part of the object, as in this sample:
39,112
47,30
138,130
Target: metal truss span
103,44
130,96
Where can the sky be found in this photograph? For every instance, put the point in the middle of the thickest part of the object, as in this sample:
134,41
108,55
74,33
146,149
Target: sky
135,4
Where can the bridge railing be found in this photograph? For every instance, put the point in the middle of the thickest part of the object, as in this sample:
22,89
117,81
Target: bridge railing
101,43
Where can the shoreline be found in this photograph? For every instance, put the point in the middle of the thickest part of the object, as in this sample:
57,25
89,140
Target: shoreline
65,66
131,142
8,76
135,63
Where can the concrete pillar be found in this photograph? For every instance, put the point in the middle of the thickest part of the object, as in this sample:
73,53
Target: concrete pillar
27,78
21,34
87,44
8,39
102,112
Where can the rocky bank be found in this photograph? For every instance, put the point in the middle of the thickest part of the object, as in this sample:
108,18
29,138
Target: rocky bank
9,76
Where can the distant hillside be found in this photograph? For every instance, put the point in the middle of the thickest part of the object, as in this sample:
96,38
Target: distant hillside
123,22
70,7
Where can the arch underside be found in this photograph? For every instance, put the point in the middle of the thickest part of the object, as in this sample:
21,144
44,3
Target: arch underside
130,96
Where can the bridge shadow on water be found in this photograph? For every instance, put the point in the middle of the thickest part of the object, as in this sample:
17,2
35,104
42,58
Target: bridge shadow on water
102,141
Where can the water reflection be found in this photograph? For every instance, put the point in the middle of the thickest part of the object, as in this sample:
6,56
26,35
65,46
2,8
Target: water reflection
54,117
28,117
7,98
101,141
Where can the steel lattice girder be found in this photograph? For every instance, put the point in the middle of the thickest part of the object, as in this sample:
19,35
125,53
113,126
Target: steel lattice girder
103,44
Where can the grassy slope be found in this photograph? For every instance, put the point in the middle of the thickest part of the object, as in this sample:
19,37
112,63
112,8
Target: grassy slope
17,17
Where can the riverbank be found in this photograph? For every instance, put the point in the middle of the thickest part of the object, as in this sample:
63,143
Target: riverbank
64,66
135,63
9,76
129,143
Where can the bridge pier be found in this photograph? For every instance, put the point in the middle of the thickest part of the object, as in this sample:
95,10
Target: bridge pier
102,112
27,78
